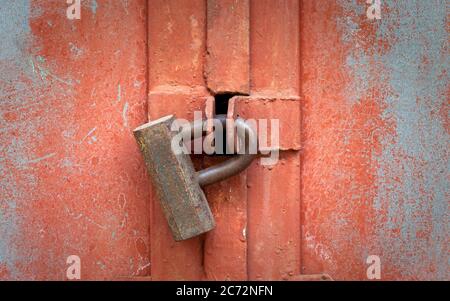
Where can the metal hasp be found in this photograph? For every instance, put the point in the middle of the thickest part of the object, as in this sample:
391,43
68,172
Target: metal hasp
175,180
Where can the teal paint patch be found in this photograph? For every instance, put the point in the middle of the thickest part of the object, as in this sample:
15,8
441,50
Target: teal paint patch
413,168
94,6
13,28
413,172
31,94
360,63
14,34
8,229
350,27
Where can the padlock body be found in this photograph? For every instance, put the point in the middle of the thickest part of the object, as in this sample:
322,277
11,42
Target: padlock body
174,179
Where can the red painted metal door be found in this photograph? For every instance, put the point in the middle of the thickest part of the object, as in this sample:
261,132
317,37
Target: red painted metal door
72,181
249,51
363,114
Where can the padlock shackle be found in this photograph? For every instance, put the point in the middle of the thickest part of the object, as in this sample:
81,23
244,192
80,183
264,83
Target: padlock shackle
177,184
233,165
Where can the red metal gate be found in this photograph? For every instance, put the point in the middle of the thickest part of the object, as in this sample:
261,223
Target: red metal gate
363,116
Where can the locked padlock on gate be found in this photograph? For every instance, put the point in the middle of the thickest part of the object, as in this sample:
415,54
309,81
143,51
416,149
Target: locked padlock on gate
175,180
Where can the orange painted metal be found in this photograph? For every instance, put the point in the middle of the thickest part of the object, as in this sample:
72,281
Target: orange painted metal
176,42
362,172
274,210
72,181
225,249
227,56
273,193
274,48
176,86
265,109
375,138
227,70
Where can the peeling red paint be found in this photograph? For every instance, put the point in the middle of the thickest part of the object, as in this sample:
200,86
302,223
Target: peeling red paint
356,196
363,172
89,193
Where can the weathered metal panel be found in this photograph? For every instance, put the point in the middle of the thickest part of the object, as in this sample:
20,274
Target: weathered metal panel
72,181
225,249
265,109
177,31
273,191
373,178
375,133
274,47
227,58
227,70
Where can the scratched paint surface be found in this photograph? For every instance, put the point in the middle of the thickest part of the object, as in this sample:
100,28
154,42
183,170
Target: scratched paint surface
72,181
374,173
375,132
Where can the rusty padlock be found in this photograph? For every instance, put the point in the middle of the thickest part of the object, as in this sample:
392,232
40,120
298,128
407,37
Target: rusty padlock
177,184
